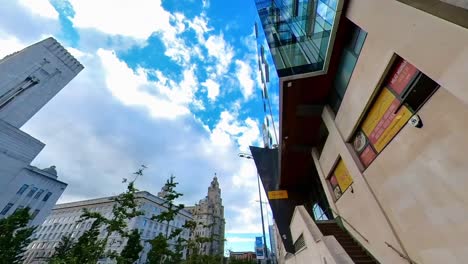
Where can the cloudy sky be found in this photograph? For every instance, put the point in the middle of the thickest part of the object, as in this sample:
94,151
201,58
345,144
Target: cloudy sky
172,85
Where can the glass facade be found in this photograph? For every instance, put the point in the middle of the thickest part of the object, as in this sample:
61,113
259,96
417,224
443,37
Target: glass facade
298,32
351,51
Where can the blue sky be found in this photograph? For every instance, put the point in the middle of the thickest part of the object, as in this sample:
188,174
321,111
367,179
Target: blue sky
172,85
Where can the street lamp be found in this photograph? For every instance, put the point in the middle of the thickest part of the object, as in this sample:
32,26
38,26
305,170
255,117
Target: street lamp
265,253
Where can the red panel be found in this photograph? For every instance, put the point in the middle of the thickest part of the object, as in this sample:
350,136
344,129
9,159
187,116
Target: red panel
402,74
367,156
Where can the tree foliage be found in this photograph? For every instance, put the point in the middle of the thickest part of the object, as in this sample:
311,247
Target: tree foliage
15,235
89,247
160,246
132,249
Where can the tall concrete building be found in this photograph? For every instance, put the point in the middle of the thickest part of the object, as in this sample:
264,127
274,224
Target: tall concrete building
28,80
209,216
64,221
372,132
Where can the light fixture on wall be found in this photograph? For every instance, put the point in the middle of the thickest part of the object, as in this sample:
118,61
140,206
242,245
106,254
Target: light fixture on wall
416,121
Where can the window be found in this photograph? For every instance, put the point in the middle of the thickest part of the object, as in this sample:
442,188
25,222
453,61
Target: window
22,189
6,209
31,192
340,179
403,92
46,197
38,194
35,213
352,50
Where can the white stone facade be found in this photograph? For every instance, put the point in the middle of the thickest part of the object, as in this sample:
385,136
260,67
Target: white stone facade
28,80
209,215
64,221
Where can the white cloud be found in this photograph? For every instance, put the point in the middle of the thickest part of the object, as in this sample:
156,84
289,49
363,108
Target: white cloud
213,89
9,44
40,7
244,133
200,25
219,49
138,19
244,76
128,87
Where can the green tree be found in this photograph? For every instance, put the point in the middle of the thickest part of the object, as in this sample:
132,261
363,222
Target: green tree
195,244
89,248
15,235
63,248
160,248
132,249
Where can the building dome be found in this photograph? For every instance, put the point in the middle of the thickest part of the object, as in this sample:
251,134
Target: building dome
51,170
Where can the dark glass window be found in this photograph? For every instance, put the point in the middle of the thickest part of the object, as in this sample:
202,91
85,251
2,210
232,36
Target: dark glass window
422,89
47,196
34,214
38,194
354,42
31,192
6,209
22,189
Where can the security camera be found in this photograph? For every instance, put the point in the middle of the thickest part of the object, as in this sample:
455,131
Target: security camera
416,121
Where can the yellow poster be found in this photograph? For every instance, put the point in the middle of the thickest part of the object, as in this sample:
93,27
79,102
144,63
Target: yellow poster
281,194
382,123
402,117
342,176
377,111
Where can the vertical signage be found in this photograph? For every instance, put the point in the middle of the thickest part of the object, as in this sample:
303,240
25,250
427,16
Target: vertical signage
259,252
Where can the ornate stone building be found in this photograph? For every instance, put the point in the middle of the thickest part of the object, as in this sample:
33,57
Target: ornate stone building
209,214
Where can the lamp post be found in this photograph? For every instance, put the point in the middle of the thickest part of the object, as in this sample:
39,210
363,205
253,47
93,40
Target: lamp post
248,156
273,259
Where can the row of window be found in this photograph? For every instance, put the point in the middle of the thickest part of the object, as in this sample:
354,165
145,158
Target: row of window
10,205
33,191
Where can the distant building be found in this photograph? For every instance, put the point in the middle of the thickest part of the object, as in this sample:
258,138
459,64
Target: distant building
64,221
243,255
209,215
28,80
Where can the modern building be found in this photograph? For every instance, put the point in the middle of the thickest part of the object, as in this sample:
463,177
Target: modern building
372,131
209,216
242,255
64,218
28,80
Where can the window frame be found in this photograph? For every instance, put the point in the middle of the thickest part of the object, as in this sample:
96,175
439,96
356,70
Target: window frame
384,85
22,189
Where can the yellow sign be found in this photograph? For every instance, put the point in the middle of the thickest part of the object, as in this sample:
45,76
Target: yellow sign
402,117
382,123
281,194
377,111
342,175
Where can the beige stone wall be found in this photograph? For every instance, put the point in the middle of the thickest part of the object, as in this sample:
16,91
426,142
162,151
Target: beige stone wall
359,208
413,196
318,248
